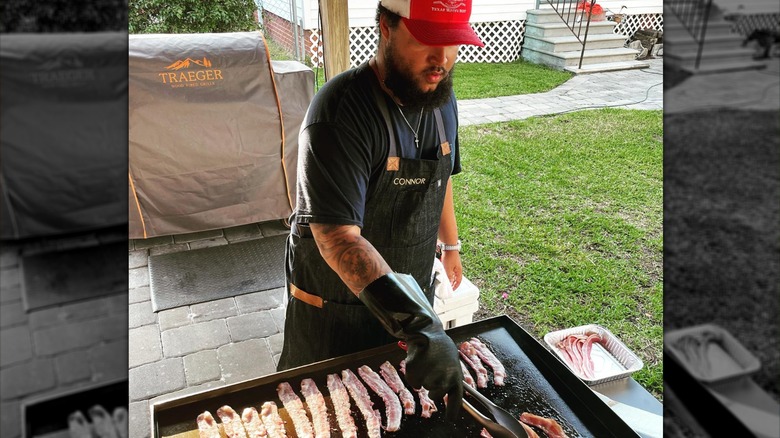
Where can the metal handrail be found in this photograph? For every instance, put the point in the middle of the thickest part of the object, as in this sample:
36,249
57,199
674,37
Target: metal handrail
574,18
694,16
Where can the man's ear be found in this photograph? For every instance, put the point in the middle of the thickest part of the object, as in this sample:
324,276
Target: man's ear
384,29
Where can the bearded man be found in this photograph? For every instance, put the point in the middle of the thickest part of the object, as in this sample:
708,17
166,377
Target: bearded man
374,201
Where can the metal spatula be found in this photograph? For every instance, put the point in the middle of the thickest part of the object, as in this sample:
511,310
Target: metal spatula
504,426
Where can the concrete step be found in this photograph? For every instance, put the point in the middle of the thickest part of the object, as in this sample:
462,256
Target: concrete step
711,53
720,27
570,43
716,42
609,66
560,29
718,67
719,60
561,60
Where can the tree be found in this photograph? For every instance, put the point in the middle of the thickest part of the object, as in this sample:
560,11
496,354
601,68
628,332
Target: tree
63,15
191,16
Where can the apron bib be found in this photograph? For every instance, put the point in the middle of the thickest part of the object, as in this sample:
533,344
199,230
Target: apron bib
324,319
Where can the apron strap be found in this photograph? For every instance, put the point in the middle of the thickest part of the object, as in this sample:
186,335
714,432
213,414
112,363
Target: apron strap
312,300
445,145
393,161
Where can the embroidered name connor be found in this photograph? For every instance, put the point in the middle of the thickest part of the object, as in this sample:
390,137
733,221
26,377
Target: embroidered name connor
408,181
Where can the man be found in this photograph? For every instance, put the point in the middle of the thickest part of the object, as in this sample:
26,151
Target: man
377,149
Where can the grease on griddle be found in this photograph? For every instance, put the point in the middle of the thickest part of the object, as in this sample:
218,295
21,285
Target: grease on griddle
519,393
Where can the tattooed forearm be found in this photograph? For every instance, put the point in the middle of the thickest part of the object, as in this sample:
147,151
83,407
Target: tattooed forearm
353,258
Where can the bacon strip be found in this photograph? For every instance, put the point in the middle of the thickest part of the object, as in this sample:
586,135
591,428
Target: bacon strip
340,398
396,384
548,425
253,424
231,422
469,354
274,424
576,350
467,375
319,411
487,356
207,426
531,433
381,388
295,409
363,401
427,405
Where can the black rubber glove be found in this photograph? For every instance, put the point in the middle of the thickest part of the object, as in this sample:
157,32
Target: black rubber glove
432,359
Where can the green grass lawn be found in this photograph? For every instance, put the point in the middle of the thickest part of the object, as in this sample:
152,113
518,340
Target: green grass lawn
483,80
561,219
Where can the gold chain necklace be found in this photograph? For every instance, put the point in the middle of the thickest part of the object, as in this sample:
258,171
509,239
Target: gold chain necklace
416,139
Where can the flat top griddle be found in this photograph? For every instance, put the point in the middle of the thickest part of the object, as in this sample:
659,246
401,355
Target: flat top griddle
537,382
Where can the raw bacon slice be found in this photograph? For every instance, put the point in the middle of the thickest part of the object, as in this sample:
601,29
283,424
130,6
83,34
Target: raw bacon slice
253,424
79,427
231,422
396,384
102,423
340,398
487,356
363,401
467,375
274,424
531,433
382,389
316,403
120,420
427,405
392,404
469,354
548,425
295,409
207,426
576,350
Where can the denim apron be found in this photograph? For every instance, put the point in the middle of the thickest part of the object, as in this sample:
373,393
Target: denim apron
324,318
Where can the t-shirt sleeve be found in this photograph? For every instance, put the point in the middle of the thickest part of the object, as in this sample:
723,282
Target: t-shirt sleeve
333,175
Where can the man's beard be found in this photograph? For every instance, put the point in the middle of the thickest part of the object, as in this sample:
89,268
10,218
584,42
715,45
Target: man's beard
403,86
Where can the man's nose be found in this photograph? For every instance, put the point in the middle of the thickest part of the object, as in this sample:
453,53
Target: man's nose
438,55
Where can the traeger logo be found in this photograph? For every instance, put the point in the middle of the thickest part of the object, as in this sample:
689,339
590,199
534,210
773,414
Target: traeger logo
451,6
62,72
203,77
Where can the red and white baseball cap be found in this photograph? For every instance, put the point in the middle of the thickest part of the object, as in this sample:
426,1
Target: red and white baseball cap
436,22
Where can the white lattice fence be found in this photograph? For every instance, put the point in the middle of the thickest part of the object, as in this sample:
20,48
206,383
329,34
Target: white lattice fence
503,40
632,23
744,24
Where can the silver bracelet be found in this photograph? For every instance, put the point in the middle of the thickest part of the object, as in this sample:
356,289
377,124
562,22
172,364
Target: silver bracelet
445,247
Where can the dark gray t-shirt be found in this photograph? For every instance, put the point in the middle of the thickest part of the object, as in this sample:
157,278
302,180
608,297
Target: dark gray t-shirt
344,145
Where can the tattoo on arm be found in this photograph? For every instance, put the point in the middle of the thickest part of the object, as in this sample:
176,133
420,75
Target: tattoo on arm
350,255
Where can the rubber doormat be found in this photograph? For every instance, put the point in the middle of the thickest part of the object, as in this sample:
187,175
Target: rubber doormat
55,278
208,274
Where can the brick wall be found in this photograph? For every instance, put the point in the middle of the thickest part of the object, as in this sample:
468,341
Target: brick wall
280,31
51,350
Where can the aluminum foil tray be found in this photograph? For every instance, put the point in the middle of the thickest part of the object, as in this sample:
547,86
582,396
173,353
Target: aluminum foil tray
612,360
721,359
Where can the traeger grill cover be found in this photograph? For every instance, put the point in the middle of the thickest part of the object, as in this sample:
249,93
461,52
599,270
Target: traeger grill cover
63,133
213,132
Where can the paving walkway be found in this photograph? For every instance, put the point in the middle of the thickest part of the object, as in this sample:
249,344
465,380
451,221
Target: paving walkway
631,89
747,89
181,351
